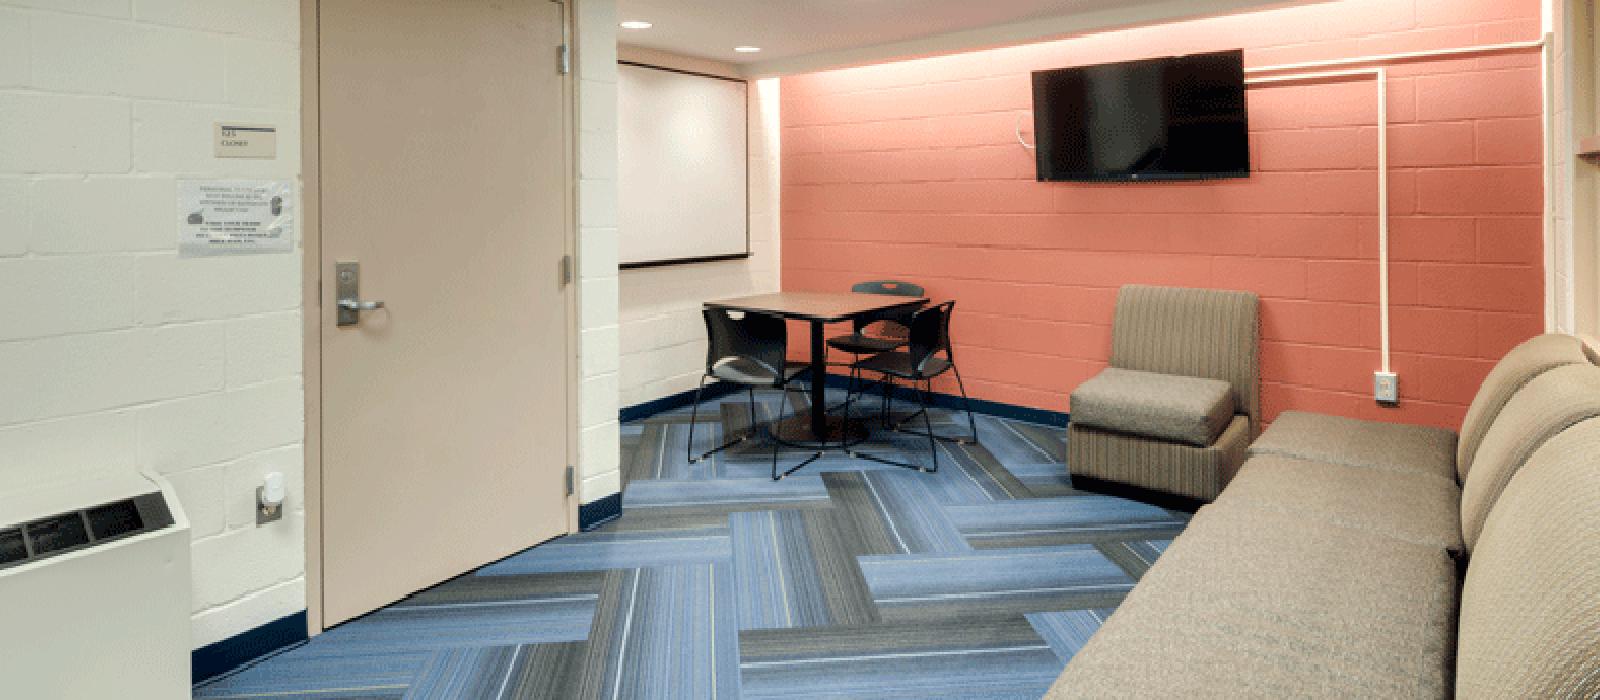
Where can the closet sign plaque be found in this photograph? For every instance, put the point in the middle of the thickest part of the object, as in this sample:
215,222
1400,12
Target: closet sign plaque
235,217
235,140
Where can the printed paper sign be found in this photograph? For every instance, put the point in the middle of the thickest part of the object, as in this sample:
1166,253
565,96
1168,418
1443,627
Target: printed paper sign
234,217
233,140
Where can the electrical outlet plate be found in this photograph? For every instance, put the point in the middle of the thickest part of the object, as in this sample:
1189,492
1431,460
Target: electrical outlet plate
265,515
1386,388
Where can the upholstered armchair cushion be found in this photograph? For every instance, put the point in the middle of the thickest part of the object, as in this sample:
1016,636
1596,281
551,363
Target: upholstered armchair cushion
1190,410
1209,333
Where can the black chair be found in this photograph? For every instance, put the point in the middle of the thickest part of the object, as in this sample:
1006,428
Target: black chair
750,351
928,336
876,334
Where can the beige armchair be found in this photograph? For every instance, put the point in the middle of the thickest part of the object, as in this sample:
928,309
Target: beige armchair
1169,421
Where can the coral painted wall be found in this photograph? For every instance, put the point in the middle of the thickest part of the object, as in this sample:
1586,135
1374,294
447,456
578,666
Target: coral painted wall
911,170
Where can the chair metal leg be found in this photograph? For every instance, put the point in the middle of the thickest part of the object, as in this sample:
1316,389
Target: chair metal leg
851,388
777,444
887,409
694,413
888,396
783,406
927,423
972,423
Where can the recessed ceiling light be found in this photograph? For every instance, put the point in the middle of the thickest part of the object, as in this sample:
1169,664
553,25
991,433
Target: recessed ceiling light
747,49
636,24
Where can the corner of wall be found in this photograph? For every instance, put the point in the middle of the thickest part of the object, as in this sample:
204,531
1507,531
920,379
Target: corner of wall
599,442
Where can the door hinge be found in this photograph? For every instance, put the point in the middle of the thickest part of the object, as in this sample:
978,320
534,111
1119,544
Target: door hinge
572,479
563,59
566,270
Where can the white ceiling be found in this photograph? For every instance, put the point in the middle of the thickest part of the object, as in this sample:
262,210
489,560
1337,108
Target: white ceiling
803,35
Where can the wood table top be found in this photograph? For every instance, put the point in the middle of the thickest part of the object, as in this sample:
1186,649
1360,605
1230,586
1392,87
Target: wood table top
827,307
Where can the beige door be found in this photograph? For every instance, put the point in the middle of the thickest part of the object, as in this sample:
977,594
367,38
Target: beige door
444,176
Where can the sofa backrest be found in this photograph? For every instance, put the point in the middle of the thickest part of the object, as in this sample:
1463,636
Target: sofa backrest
1530,606
1549,404
1526,361
1207,333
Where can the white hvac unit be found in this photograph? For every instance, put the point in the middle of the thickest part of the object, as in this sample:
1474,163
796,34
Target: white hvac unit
94,590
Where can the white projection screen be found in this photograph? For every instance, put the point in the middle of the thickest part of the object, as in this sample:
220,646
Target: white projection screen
682,158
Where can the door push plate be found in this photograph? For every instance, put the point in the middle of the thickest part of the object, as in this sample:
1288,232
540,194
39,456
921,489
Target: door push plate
348,289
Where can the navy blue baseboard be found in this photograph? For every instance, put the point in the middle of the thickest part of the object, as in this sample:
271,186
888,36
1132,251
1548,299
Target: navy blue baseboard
213,660
717,390
953,402
599,512
714,390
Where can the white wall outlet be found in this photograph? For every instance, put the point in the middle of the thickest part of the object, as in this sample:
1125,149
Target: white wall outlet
1386,388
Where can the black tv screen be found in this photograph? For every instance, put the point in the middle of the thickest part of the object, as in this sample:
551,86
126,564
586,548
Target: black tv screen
1179,118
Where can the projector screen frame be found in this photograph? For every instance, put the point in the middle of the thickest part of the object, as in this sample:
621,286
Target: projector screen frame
694,260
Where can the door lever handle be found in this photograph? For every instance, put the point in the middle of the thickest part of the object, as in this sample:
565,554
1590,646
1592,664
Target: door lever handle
348,295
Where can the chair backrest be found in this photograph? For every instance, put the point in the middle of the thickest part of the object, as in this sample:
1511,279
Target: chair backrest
759,338
1530,605
1207,333
1549,404
929,334
889,287
1532,358
896,320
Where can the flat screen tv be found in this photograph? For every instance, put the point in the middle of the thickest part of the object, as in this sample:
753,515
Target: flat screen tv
1178,118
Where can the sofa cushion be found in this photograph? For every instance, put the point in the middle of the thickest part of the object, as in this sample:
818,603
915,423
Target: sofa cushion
1526,361
1359,443
1254,603
1250,603
1549,404
1190,410
1530,608
1418,508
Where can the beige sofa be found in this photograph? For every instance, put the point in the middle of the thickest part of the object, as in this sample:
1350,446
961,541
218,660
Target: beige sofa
1168,422
1356,559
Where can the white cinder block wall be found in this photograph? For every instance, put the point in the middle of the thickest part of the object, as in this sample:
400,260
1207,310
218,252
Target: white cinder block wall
663,337
116,354
598,447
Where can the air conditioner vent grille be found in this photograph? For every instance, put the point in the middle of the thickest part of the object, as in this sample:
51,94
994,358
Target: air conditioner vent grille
81,529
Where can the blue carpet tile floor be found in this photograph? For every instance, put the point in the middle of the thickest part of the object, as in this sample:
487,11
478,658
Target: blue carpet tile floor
849,579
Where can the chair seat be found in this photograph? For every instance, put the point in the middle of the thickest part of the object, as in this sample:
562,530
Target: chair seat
742,371
898,364
1360,443
860,344
1190,410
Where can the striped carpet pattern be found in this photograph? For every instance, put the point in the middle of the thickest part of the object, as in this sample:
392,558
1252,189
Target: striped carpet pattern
849,579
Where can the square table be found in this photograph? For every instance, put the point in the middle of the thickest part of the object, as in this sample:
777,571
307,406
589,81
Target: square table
819,309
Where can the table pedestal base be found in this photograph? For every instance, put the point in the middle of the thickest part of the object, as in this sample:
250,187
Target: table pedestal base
796,432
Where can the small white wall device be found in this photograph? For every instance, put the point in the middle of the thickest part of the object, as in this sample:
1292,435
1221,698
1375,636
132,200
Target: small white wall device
269,498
